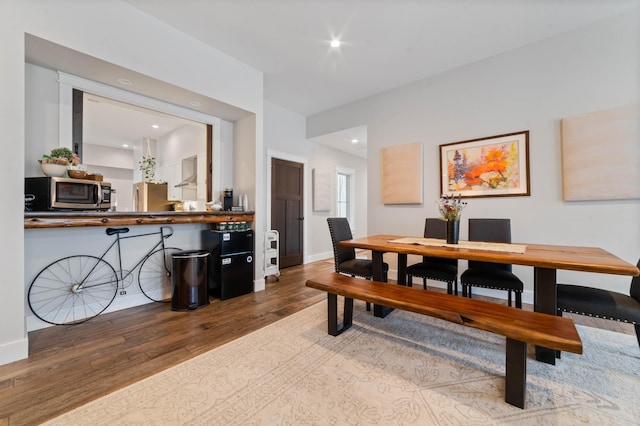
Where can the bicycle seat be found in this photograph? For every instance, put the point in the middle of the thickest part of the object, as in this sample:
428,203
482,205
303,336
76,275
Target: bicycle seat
111,231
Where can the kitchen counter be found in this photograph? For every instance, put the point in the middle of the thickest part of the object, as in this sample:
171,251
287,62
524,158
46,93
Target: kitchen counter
85,218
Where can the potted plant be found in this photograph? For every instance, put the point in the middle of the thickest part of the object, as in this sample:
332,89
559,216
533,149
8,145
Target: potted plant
148,168
62,156
56,162
450,208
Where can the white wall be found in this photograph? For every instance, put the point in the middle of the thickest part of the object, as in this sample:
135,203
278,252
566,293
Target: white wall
41,101
324,158
173,148
591,69
285,137
111,31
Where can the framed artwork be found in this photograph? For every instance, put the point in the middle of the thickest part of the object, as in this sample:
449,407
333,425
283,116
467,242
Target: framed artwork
321,190
401,172
601,155
495,166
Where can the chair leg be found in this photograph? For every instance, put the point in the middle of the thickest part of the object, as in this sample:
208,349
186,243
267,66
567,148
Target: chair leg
518,300
409,280
638,333
509,297
424,283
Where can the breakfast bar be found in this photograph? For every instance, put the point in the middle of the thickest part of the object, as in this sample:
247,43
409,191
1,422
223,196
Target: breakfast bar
92,218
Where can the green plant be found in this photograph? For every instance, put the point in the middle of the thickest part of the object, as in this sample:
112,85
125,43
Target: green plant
62,153
148,168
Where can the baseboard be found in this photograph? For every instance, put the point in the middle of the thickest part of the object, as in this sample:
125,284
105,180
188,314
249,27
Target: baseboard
259,285
14,351
318,257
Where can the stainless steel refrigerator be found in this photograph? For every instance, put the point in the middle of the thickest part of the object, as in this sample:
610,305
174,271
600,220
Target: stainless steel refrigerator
231,262
151,197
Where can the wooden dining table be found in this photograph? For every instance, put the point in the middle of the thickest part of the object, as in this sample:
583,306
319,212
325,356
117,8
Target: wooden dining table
545,260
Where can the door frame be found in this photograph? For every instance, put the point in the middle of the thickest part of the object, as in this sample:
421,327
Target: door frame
271,154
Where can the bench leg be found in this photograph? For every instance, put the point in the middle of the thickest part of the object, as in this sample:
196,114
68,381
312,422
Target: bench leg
516,377
336,328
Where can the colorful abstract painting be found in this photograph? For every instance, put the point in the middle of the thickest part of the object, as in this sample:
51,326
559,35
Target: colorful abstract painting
486,167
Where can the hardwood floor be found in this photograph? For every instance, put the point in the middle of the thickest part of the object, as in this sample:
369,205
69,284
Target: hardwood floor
70,366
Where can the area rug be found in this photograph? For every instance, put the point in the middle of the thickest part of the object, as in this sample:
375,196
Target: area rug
405,369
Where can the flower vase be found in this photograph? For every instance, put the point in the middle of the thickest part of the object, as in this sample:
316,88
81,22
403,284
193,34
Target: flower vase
453,228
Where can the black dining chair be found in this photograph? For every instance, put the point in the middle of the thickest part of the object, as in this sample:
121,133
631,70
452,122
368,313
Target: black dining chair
345,258
488,274
435,268
599,303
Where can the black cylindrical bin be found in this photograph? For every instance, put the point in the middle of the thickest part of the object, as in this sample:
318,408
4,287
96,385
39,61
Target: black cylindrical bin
189,280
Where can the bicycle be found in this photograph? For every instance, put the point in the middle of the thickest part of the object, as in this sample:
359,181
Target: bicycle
74,289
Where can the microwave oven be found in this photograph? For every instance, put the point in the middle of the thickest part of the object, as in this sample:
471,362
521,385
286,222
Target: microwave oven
59,194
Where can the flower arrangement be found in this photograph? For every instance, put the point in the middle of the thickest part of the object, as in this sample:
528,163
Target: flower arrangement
451,207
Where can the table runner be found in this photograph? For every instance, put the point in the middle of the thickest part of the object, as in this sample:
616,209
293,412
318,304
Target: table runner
474,245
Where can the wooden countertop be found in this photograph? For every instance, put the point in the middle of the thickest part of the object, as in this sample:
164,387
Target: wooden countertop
84,218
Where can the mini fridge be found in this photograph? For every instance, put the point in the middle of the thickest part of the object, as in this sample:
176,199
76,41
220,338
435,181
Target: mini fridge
231,262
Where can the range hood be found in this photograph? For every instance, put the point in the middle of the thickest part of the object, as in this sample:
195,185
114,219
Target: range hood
189,182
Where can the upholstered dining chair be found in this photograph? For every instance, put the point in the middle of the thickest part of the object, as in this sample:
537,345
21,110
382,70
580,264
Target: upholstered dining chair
345,258
600,303
489,274
435,268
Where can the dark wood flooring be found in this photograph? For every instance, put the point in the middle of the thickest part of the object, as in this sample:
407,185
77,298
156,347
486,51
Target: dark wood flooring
69,366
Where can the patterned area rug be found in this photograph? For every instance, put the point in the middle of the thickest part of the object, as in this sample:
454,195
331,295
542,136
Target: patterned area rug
405,369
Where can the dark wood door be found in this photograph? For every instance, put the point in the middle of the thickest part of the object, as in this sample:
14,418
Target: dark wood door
287,209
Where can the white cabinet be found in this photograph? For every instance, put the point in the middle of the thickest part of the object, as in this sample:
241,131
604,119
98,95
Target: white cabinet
172,174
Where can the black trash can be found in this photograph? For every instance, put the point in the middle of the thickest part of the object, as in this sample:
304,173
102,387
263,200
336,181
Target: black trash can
189,280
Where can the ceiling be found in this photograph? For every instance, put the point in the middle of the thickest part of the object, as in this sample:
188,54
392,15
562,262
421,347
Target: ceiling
385,44
115,124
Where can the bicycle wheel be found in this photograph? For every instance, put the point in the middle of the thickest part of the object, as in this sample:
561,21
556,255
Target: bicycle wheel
72,290
155,275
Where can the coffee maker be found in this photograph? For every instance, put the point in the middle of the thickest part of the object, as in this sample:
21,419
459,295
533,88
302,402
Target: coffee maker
228,199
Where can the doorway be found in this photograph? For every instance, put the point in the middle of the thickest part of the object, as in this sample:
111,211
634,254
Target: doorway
287,201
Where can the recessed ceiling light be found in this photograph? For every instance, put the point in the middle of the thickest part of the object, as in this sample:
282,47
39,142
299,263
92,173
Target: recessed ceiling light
335,43
155,126
195,103
125,81
124,145
354,141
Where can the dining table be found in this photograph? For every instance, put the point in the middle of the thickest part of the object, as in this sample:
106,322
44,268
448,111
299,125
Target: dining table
545,259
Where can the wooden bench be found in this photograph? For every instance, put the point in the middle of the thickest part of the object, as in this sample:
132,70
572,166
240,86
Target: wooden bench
518,326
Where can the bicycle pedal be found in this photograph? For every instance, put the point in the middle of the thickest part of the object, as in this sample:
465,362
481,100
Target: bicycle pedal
123,292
